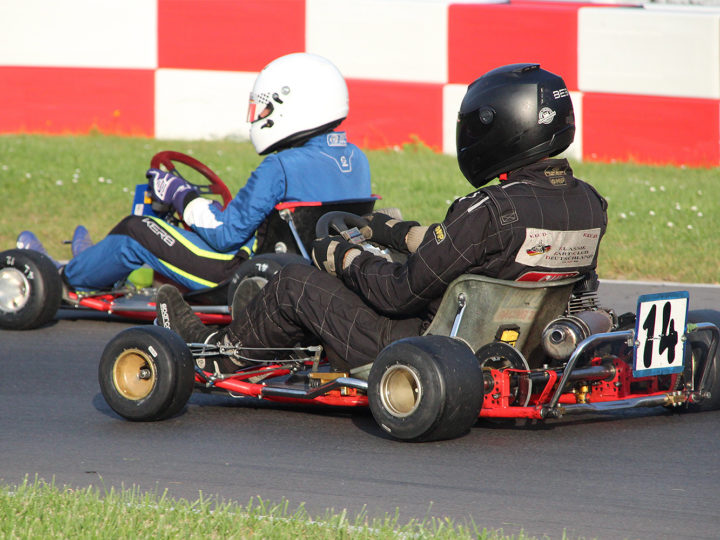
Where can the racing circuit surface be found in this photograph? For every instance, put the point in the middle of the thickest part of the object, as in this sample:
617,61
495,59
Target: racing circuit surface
647,474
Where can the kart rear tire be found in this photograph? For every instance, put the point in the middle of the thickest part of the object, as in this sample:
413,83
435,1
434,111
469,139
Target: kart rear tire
254,273
699,347
30,289
146,373
426,388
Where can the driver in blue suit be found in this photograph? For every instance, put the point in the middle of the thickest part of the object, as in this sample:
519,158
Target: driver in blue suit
296,104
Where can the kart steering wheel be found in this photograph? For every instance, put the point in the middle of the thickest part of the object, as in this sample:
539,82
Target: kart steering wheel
216,186
339,221
348,225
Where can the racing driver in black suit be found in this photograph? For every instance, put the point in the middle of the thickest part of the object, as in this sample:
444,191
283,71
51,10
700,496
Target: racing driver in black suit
539,223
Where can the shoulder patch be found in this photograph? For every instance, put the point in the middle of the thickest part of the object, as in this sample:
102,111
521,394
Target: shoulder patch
337,139
439,233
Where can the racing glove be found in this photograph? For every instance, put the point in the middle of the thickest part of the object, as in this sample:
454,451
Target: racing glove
329,253
168,189
387,231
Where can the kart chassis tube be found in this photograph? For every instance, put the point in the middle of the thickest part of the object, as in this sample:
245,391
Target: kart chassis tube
330,392
665,398
105,303
288,394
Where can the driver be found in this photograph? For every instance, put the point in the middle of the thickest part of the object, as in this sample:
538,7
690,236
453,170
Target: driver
539,223
295,105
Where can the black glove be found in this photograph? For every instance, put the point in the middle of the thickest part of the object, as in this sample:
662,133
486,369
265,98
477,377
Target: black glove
387,231
328,253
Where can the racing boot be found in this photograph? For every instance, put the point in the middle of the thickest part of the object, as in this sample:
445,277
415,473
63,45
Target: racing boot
177,315
28,240
80,241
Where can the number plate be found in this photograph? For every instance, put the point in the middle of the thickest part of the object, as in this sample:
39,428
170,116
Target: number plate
660,333
142,204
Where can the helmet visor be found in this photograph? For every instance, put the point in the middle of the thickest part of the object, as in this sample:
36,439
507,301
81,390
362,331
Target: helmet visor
258,109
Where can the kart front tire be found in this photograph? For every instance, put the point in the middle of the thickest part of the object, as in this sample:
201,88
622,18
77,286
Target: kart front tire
146,373
426,388
30,289
699,349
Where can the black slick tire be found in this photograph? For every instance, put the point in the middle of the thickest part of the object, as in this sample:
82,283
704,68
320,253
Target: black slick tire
146,373
426,388
30,289
699,347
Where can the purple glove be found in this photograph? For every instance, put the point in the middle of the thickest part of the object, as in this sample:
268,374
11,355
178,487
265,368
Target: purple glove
168,189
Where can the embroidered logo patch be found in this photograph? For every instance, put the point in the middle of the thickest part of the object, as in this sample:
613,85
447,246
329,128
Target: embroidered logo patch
558,249
337,139
555,171
439,232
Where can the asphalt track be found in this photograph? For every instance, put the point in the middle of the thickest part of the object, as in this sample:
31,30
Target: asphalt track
647,475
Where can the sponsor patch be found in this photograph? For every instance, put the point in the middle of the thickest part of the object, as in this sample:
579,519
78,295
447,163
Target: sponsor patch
556,175
336,139
555,171
439,233
558,249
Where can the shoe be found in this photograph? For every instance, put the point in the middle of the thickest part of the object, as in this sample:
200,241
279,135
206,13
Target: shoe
81,241
28,240
174,313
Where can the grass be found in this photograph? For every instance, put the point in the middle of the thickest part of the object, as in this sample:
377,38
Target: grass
43,510
664,221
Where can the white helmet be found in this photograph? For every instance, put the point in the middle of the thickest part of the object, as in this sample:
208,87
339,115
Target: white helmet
295,97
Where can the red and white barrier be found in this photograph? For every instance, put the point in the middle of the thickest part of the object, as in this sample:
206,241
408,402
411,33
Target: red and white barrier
645,80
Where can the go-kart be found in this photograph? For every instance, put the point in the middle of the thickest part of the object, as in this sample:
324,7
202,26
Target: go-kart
31,290
495,350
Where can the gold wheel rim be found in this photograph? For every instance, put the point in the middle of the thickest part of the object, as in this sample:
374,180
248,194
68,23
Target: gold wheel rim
134,374
400,390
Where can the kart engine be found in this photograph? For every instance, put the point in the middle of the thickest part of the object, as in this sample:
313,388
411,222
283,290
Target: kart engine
582,319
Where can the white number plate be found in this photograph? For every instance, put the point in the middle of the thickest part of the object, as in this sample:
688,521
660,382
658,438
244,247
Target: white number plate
660,333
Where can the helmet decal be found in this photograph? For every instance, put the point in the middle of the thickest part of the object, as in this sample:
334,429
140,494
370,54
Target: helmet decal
546,115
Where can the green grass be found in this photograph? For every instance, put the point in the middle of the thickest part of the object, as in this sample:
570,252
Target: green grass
44,510
664,221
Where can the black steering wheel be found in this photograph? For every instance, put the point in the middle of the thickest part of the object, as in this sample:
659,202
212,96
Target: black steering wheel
343,223
166,159
339,222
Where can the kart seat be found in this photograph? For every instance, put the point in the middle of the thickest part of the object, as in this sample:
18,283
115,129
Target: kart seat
275,234
493,305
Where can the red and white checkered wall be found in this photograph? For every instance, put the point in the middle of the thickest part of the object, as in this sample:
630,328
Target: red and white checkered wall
645,80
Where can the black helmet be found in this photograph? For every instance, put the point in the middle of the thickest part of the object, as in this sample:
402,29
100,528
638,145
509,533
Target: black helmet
512,116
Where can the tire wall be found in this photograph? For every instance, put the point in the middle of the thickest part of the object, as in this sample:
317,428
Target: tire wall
644,78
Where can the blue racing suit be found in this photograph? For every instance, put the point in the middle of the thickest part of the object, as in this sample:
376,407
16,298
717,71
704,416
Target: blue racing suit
326,168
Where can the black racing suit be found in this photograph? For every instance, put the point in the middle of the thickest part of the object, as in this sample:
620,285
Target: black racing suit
541,223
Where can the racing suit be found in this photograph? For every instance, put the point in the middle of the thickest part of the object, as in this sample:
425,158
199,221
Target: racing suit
325,168
541,223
